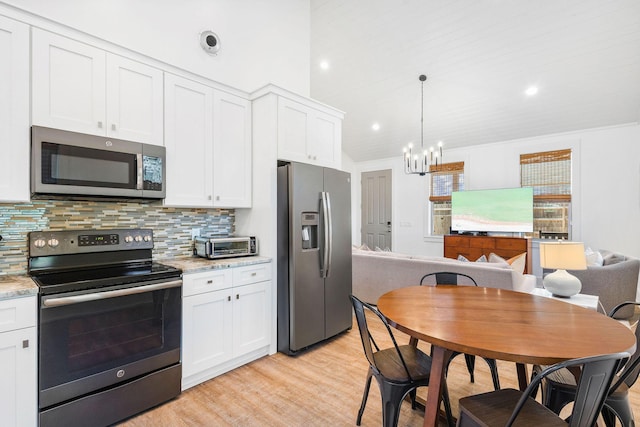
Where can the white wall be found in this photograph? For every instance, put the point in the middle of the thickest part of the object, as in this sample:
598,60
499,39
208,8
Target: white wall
261,41
606,192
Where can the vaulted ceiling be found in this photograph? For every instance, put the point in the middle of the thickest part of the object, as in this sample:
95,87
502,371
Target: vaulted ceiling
479,57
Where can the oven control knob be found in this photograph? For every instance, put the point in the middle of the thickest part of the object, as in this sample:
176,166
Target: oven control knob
138,238
147,238
128,239
39,243
53,243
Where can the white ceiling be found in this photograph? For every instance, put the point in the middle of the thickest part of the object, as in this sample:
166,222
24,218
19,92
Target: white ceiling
479,57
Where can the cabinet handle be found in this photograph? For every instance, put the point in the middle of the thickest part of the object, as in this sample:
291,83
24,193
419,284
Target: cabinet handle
229,298
309,156
113,126
209,282
314,157
100,125
217,198
25,343
209,197
253,274
237,296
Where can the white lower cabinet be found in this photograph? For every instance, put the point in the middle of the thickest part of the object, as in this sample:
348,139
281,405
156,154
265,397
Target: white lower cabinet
18,359
225,320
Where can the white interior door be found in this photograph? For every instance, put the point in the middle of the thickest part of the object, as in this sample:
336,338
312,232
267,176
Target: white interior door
376,209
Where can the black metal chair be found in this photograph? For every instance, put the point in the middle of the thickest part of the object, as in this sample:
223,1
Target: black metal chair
509,407
559,389
449,278
399,370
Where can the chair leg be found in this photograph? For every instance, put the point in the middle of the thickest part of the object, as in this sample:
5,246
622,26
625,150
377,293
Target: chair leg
392,397
447,405
493,367
619,409
471,363
367,386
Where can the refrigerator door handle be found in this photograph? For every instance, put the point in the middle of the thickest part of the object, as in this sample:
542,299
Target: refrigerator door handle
328,234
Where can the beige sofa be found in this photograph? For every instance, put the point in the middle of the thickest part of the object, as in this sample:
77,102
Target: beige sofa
375,273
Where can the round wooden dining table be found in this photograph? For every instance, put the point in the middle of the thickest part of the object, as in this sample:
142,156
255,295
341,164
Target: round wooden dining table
498,324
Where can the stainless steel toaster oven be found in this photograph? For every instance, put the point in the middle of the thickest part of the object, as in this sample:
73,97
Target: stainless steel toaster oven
225,247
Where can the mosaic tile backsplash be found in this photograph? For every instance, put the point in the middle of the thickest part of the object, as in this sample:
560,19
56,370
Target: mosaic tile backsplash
171,226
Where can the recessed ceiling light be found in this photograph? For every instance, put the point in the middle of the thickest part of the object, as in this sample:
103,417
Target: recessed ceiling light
375,126
324,65
531,90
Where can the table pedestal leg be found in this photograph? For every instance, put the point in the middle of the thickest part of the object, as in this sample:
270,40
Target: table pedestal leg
436,381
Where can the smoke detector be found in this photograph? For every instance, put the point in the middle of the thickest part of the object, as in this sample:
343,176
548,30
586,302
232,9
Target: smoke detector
210,42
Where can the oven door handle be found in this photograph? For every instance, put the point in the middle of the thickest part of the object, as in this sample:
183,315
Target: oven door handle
61,301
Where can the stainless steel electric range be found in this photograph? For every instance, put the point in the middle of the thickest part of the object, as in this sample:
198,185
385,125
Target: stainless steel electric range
109,325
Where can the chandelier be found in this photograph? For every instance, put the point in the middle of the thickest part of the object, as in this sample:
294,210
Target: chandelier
420,163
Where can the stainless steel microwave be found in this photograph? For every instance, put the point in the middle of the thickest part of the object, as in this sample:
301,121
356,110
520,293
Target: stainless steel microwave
76,164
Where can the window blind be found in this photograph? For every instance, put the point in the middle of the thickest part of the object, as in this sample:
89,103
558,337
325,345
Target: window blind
548,173
445,179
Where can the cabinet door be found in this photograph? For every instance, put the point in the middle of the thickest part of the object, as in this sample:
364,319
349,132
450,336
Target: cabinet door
251,323
18,377
326,140
134,101
206,331
189,142
68,84
14,110
293,130
231,151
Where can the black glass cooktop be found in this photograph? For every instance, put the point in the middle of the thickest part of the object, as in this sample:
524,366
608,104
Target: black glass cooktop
100,277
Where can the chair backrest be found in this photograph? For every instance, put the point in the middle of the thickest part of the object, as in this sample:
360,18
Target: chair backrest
449,278
368,343
593,385
631,370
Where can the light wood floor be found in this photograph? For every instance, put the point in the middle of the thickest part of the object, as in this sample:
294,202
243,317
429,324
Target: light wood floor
321,387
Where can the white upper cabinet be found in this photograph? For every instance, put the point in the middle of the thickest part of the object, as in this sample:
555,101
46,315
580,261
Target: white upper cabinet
134,101
82,88
14,110
189,141
208,141
307,134
231,151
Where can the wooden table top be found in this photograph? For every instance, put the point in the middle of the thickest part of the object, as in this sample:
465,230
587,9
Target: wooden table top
505,325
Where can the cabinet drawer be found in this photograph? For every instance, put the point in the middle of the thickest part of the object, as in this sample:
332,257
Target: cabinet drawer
251,274
209,281
458,241
482,242
17,313
515,244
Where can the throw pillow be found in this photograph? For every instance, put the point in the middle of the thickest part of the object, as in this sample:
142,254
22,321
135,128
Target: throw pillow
594,258
518,262
613,259
464,258
497,259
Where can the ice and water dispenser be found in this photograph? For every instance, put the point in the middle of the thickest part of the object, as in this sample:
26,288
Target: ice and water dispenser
309,230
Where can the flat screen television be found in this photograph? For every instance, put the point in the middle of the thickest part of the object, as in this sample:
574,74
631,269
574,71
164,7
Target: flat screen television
501,210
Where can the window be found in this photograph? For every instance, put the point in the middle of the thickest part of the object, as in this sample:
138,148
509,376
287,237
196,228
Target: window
445,179
549,173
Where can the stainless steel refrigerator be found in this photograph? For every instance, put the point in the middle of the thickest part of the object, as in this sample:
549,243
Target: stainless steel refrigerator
314,255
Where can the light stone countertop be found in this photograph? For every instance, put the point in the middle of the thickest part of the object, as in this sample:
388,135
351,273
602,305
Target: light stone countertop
17,286
199,265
